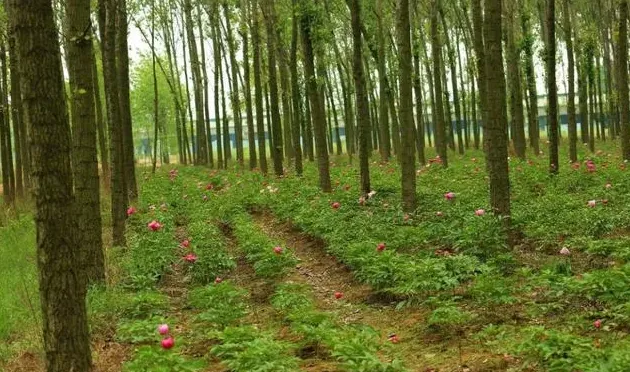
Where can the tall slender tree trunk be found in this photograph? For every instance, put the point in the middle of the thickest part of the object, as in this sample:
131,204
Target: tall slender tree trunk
622,67
62,291
251,133
568,36
360,97
85,162
122,60
201,140
6,149
458,117
218,77
407,155
206,89
516,91
234,93
295,90
438,117
497,140
119,195
385,144
318,114
258,93
16,119
276,150
552,89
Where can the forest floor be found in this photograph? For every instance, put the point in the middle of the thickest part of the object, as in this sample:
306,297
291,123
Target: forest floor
254,273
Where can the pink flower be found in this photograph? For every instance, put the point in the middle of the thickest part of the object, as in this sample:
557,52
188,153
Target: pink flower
163,329
480,212
191,257
185,243
597,324
591,203
380,247
277,250
209,186
449,195
131,211
565,251
218,280
154,225
168,343
336,205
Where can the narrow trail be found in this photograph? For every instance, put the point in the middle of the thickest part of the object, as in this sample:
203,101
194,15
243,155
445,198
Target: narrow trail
325,274
260,311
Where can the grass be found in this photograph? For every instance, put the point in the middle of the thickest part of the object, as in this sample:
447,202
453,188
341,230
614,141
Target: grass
19,299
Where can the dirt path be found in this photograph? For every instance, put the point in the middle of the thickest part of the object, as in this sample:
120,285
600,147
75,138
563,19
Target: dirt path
325,275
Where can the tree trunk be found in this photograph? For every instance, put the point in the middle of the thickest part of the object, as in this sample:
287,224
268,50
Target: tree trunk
516,92
234,93
385,143
258,94
438,117
85,162
206,89
494,131
122,60
276,151
363,121
296,99
62,291
622,67
218,78
21,178
119,195
251,133
318,114
552,89
201,140
6,150
568,36
458,117
407,154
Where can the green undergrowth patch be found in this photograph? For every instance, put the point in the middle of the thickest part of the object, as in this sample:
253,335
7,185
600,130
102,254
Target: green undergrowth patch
356,347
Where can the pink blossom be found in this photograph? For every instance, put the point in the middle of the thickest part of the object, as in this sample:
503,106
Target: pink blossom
131,211
185,243
480,212
163,329
592,203
565,251
191,257
154,225
449,195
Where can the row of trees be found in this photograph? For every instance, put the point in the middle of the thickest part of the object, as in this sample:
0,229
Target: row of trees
408,58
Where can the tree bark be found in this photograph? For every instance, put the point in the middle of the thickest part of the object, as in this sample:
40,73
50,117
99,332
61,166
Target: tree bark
552,89
276,151
258,93
622,67
495,132
295,88
438,117
568,36
62,290
318,114
361,98
251,133
78,32
122,60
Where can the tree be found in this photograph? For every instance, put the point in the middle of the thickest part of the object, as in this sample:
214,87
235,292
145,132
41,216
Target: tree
408,156
552,89
258,93
122,60
309,15
296,100
568,36
62,291
251,133
385,143
515,78
85,164
495,126
119,196
622,74
276,150
363,122
438,117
